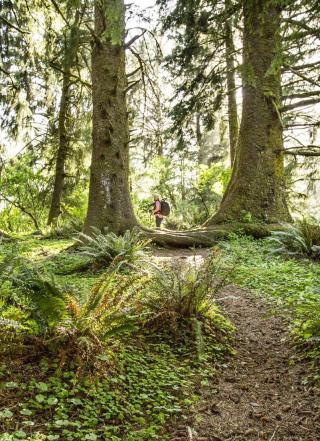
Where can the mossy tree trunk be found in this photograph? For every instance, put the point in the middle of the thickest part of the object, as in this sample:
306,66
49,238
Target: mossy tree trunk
109,196
70,54
256,188
231,85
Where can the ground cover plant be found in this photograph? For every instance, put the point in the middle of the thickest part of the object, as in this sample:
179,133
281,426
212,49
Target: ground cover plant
292,283
91,364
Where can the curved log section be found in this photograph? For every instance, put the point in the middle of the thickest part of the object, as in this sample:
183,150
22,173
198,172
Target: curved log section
206,237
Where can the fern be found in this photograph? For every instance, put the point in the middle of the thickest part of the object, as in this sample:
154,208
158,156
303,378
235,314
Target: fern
180,298
44,300
302,239
104,248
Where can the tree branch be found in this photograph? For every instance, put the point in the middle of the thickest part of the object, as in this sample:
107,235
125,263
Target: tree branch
301,95
303,66
312,31
23,209
56,7
308,80
133,72
301,153
85,83
133,39
302,103
11,25
131,86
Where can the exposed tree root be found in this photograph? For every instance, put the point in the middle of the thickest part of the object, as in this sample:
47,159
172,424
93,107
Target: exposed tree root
205,237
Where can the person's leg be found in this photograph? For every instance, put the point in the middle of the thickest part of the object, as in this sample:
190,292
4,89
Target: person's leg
158,221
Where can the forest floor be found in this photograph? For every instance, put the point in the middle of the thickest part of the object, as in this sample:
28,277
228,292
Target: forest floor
268,390
261,393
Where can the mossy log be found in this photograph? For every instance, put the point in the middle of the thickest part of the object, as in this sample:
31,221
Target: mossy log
206,237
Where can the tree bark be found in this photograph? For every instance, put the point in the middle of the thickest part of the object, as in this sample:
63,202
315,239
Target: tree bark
59,178
231,85
256,188
201,148
109,196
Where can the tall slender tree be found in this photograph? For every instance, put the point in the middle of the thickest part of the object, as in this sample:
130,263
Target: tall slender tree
231,83
69,60
109,196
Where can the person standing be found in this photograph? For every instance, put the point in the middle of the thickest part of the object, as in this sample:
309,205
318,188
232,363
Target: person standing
157,211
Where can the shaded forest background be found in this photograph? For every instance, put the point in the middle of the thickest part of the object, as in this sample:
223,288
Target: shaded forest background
201,88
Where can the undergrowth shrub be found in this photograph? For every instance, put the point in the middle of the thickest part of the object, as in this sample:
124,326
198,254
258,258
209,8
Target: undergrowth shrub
30,299
102,248
145,389
108,311
39,315
306,327
299,240
32,304
66,229
181,301
101,365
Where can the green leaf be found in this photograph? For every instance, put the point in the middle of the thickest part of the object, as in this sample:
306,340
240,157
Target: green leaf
61,423
91,437
43,387
20,434
26,412
11,385
6,413
76,401
40,398
103,357
52,400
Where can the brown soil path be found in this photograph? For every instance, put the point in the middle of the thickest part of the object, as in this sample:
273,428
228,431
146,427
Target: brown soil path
259,394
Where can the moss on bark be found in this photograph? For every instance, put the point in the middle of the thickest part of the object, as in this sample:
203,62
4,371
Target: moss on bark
109,196
63,149
256,188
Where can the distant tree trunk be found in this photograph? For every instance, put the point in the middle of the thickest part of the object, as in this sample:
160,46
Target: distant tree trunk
202,156
256,187
109,196
231,86
159,124
59,178
62,152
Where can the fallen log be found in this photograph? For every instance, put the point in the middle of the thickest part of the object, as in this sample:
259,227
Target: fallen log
206,237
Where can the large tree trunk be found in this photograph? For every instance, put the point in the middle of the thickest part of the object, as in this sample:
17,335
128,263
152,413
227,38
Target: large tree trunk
109,196
59,178
256,187
231,85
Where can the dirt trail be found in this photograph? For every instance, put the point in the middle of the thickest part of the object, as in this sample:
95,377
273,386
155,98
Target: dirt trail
259,394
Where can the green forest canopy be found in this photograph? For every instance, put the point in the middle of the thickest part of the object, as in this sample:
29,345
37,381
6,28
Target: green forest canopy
212,104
